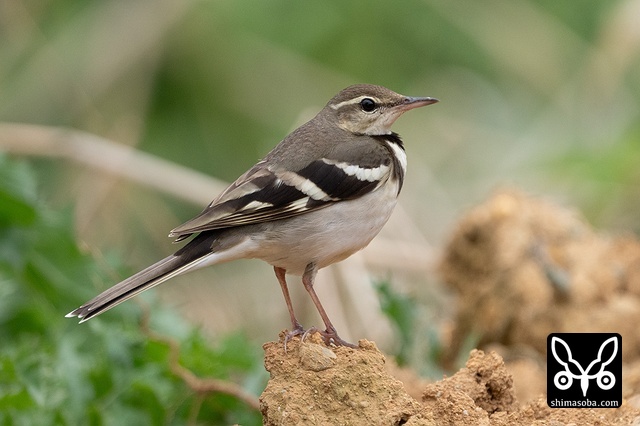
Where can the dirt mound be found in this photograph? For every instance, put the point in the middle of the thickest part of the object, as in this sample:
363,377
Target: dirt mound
312,384
484,383
523,268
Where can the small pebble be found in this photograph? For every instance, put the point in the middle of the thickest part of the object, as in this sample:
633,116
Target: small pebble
315,357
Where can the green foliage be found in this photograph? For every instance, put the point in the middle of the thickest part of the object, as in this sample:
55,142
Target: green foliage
401,311
104,372
606,177
419,344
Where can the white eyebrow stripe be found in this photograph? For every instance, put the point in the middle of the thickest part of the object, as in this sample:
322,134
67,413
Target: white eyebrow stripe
354,101
370,174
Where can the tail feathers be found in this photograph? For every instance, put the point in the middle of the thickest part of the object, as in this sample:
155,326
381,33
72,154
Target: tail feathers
189,257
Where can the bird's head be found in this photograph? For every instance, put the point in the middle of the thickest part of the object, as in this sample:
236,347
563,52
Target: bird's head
365,109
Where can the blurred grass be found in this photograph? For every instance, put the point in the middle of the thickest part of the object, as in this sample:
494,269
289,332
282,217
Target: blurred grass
544,95
54,371
214,85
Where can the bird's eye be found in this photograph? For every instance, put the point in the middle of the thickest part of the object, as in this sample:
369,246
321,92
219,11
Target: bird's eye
368,105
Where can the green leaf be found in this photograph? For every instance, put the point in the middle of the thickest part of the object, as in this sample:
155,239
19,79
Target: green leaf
18,201
401,311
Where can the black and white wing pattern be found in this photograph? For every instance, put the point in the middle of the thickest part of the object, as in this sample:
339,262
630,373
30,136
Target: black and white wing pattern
269,191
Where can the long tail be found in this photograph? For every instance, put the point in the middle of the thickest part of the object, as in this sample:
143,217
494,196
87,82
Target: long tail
189,257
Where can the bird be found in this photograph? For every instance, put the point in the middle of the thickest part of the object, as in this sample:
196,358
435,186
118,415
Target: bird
323,193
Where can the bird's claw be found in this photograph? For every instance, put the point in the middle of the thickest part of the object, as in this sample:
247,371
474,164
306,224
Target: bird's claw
297,331
329,336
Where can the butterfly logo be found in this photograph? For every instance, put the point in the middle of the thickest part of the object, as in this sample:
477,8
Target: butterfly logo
564,379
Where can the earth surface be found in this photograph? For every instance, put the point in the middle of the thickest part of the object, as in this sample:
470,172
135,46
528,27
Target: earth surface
520,268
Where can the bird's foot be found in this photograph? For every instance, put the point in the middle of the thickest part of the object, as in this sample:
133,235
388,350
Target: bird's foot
297,331
330,337
312,330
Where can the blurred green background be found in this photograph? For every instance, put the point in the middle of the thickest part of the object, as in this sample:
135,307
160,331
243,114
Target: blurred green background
542,95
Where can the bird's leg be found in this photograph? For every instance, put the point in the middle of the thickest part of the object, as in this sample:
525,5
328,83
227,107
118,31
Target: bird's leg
296,327
330,335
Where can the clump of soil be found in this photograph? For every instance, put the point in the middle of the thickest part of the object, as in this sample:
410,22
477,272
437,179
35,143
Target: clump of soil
484,382
523,268
312,384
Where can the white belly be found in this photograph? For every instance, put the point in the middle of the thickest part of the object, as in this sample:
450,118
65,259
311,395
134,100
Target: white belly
325,236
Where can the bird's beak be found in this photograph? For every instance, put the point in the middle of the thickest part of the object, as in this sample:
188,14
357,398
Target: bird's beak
405,105
410,103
